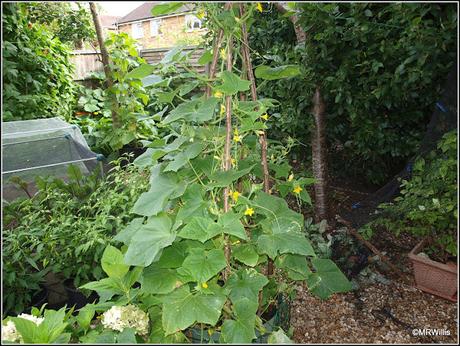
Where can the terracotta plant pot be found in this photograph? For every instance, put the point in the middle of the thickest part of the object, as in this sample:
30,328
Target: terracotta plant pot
434,277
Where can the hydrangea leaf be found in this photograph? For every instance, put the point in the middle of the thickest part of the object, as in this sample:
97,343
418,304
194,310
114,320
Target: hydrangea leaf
202,265
327,279
112,262
183,308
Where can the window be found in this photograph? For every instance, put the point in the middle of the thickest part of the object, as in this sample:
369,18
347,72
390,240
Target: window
155,27
138,30
192,22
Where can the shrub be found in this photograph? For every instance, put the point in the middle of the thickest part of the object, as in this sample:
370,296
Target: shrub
64,228
427,206
37,73
381,68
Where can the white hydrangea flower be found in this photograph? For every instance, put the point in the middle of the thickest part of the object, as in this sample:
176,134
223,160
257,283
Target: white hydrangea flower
9,332
130,316
36,320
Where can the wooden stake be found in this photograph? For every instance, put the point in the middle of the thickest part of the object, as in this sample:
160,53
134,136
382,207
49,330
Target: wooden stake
263,137
116,123
369,245
227,157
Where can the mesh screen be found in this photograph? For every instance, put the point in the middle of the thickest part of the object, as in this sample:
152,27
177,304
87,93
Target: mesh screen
42,147
444,119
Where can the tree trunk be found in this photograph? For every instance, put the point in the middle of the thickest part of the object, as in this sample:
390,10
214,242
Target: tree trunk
318,141
318,149
105,61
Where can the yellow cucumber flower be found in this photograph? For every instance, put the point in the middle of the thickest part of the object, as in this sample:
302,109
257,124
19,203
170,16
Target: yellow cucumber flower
235,195
264,116
259,7
237,138
297,190
222,109
204,285
249,211
291,176
218,94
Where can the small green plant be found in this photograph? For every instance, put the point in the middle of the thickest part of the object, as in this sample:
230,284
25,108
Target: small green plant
427,206
64,228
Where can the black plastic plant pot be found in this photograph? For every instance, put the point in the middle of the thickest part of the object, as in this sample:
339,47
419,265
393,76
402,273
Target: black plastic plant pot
280,319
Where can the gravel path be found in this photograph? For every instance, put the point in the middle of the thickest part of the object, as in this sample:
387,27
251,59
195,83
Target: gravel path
361,316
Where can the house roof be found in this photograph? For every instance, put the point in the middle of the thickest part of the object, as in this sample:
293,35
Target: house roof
145,11
108,21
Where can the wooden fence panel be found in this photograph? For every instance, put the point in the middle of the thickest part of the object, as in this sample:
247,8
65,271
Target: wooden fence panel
87,62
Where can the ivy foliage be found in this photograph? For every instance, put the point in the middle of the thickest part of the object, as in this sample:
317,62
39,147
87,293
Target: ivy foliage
37,73
380,68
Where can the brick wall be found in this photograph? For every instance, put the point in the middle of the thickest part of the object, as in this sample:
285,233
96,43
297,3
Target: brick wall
172,33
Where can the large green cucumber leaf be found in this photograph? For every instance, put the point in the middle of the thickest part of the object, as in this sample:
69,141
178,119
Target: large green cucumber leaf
162,188
194,203
183,308
272,73
241,330
157,280
295,265
201,265
281,243
231,83
198,111
327,279
200,228
231,224
246,283
149,240
182,158
246,253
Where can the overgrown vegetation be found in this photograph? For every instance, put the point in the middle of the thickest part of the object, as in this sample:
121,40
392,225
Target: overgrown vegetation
64,229
380,67
70,22
428,205
37,73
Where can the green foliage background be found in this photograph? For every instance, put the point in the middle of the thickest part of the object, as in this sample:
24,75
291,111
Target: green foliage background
37,73
381,68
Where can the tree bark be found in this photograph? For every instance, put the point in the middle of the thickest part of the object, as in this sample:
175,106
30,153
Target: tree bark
116,123
318,149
